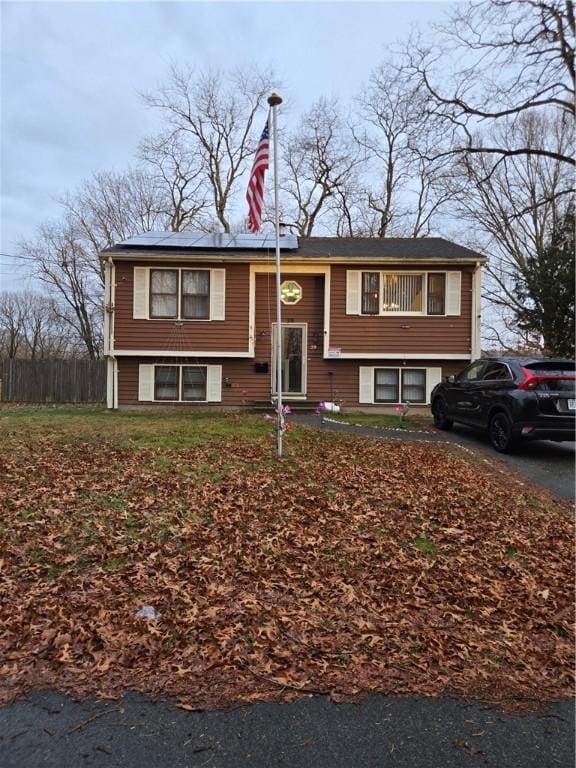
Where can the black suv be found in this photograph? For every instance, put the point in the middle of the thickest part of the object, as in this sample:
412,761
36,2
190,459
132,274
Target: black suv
512,398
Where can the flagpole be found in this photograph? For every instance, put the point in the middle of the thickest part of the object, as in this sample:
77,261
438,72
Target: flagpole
274,100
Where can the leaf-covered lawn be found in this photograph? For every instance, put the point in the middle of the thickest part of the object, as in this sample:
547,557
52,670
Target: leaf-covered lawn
351,566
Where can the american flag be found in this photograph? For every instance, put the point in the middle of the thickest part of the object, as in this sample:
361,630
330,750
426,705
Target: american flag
255,193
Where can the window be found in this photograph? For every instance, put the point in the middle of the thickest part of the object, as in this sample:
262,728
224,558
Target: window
370,293
196,294
413,386
497,372
436,293
193,383
472,373
386,388
180,382
402,292
290,292
163,293
166,382
179,294
395,385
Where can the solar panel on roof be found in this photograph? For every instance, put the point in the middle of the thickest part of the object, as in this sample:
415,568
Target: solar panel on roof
211,240
182,237
149,237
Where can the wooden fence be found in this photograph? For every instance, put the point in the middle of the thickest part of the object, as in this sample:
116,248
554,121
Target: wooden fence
53,381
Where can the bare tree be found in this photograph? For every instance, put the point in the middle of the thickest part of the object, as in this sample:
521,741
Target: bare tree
518,57
515,206
12,323
111,207
46,334
62,263
104,210
348,209
320,161
179,172
30,327
213,114
407,193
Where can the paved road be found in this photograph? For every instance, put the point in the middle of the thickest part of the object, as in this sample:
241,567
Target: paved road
51,731
549,464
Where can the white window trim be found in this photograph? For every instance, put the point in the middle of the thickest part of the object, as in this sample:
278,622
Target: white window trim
179,318
390,313
184,354
391,355
400,384
367,383
180,380
180,399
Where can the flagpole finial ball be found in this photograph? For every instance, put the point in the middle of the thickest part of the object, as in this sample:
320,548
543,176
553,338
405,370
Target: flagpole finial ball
274,99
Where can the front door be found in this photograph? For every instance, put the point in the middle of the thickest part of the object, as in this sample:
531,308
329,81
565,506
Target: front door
293,353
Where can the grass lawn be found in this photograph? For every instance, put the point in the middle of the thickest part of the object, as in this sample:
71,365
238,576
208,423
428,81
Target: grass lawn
351,566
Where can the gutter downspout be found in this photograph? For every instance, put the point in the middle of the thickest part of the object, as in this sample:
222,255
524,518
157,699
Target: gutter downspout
476,349
112,368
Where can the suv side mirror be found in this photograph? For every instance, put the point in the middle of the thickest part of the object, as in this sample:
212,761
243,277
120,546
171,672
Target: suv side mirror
450,379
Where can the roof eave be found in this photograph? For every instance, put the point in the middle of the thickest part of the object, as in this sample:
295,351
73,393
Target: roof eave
292,257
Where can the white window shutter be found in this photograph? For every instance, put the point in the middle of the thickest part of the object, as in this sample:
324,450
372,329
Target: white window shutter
213,383
217,294
353,291
453,290
145,383
433,377
141,280
366,387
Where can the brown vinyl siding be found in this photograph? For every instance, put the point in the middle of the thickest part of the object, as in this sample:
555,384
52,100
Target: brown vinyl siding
309,310
327,379
229,335
242,386
404,334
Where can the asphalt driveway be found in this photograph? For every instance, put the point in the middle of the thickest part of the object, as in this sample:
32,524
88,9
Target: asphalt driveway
551,465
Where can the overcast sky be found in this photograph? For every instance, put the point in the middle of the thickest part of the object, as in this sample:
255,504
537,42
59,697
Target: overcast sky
72,73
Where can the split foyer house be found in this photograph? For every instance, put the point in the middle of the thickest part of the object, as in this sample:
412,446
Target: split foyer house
191,318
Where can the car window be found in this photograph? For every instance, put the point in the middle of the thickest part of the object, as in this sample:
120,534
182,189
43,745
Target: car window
552,368
472,373
496,372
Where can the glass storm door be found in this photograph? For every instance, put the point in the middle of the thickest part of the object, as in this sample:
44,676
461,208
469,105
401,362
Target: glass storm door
293,346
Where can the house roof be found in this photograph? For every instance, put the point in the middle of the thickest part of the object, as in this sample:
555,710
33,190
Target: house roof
388,247
179,246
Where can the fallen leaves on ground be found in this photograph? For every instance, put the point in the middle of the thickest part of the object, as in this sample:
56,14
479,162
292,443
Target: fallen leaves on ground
351,566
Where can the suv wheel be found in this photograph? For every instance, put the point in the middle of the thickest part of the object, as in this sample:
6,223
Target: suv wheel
441,420
500,432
